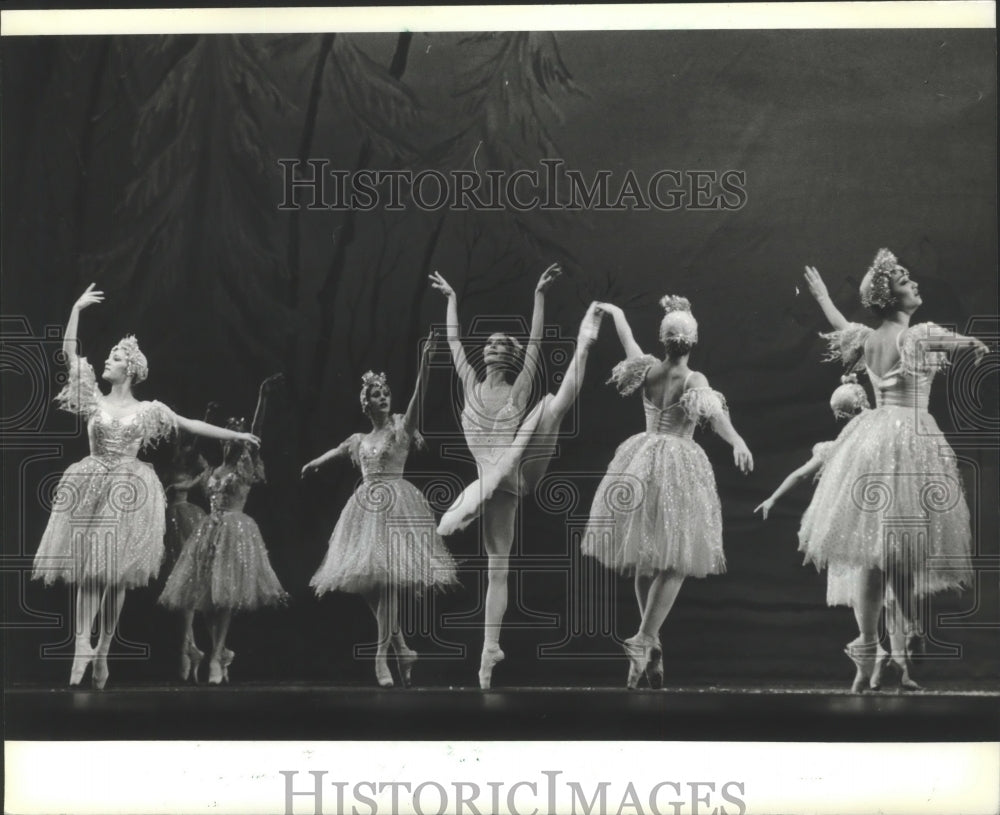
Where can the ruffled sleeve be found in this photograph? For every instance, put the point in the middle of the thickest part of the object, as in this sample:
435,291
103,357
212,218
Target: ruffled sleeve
353,446
823,450
703,404
847,344
80,393
630,374
158,422
915,353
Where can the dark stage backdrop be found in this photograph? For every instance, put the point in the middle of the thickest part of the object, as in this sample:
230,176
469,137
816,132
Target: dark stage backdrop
150,166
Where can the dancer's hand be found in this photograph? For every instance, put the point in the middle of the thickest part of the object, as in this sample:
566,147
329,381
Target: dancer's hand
309,469
442,285
815,284
248,438
742,457
980,349
272,383
764,507
88,298
548,278
609,308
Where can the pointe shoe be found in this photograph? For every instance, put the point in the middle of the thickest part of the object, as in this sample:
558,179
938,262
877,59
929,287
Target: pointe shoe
214,672
639,650
882,661
83,656
225,661
654,669
864,657
383,675
405,659
191,658
490,657
99,677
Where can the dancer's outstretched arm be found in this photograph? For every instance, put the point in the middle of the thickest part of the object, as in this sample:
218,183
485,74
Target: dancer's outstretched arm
807,470
210,431
462,367
410,417
817,288
624,330
341,449
723,427
525,377
88,298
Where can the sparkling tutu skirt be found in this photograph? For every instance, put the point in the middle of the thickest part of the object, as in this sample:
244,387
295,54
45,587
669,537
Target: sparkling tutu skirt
386,535
182,519
890,496
657,508
223,565
107,524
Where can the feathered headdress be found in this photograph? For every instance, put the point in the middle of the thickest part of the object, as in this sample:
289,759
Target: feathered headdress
678,322
135,361
876,285
369,380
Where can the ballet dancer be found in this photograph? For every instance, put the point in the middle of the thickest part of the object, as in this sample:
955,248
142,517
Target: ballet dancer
656,513
106,531
223,567
386,538
511,444
895,450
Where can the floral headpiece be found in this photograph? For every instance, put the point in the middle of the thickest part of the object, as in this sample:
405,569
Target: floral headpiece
849,399
678,322
135,361
876,286
370,380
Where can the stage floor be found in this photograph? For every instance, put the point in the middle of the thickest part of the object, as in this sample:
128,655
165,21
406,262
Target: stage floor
802,712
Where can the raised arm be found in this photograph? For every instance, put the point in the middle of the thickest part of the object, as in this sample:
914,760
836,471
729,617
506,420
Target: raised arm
526,375
804,472
624,330
410,418
462,366
267,389
817,288
340,450
88,298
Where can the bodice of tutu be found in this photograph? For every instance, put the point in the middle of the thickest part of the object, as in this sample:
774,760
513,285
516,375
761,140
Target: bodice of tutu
228,487
672,420
488,438
112,437
900,389
695,405
382,457
908,382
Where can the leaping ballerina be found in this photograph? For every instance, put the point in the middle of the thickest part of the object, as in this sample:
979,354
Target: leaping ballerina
511,444
386,538
105,534
896,447
670,528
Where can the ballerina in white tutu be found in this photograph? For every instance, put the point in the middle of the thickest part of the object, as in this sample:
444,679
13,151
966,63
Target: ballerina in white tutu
894,454
848,401
105,534
224,567
386,538
656,513
512,445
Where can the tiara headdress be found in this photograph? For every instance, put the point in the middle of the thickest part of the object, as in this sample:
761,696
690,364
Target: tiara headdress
876,285
135,361
849,399
369,380
678,322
